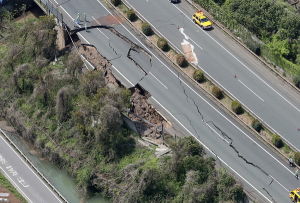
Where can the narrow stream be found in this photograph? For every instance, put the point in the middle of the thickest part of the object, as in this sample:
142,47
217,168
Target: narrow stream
59,178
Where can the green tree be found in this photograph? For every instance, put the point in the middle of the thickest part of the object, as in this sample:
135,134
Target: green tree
131,15
256,125
147,30
277,141
116,2
163,44
237,107
181,61
199,76
297,158
217,92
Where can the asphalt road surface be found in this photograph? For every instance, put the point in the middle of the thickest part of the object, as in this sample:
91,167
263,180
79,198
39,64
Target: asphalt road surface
277,104
23,177
259,169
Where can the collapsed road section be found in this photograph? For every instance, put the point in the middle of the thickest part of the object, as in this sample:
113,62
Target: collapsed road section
171,99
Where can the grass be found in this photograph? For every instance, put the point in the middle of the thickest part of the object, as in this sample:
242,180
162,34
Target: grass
123,8
138,155
291,68
3,50
6,184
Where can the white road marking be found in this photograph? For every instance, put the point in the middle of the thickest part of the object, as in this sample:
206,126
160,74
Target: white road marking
83,38
288,142
87,62
63,9
209,149
198,94
181,30
89,43
159,80
196,44
39,178
279,183
241,62
15,184
99,29
217,133
123,75
250,90
203,100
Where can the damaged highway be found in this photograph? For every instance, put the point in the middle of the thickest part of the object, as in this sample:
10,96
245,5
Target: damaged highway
263,174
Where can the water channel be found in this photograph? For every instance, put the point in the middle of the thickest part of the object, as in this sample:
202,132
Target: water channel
59,178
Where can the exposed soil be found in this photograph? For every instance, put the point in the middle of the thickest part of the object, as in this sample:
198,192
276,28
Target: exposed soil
147,121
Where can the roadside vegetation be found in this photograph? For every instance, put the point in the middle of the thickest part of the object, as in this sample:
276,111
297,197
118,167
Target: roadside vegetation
212,88
269,28
5,184
75,120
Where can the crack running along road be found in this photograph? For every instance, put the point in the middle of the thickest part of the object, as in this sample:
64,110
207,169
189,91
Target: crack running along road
174,100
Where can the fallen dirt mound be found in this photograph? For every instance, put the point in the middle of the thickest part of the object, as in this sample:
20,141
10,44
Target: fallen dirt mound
147,120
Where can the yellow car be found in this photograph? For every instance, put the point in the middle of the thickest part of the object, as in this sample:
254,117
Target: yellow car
200,19
295,196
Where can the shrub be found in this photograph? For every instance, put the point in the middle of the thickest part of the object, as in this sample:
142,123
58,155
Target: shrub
199,76
131,15
297,81
116,2
163,44
237,107
181,61
277,141
147,30
297,158
236,193
256,125
217,92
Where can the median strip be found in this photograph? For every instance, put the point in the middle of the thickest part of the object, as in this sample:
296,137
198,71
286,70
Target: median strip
204,82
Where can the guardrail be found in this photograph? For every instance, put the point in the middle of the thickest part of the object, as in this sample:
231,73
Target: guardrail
48,7
229,33
32,166
213,81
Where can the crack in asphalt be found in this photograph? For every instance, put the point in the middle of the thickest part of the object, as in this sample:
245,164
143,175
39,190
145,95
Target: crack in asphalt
113,49
269,194
126,39
184,91
199,112
248,162
227,137
222,132
271,182
135,47
136,63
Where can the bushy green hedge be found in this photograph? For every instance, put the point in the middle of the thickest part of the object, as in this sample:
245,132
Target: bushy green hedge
116,2
297,158
147,30
277,141
297,80
163,44
217,92
265,19
199,76
237,107
131,15
181,61
257,125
